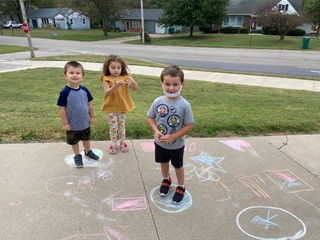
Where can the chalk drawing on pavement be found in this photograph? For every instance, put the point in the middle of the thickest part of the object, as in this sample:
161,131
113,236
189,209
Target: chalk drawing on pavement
69,185
87,162
208,167
102,174
263,222
287,180
255,184
165,203
109,234
240,146
129,204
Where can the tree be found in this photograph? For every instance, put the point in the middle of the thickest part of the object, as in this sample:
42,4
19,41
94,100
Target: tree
312,9
12,7
271,16
190,13
107,10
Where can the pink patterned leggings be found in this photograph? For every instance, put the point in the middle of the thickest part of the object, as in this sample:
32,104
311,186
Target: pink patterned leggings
117,127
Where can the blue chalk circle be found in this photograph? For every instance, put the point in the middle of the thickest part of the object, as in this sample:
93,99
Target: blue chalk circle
165,203
87,162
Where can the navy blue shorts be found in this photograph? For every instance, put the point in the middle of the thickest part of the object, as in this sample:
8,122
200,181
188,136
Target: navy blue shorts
73,137
163,155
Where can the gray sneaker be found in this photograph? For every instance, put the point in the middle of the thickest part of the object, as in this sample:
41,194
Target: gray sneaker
78,161
91,155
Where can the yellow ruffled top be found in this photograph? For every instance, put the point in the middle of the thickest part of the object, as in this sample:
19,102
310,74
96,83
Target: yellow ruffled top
120,100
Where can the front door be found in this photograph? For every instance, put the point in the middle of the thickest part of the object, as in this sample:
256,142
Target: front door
127,26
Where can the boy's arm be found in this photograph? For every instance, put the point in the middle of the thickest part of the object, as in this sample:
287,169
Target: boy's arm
154,128
64,119
171,137
91,113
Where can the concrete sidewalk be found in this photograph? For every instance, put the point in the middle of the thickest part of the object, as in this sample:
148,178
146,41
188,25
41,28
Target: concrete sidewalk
237,188
241,79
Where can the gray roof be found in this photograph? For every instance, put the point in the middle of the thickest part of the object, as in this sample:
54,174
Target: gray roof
249,7
50,12
135,14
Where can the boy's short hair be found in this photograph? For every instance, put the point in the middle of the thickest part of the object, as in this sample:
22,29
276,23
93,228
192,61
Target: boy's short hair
173,71
74,64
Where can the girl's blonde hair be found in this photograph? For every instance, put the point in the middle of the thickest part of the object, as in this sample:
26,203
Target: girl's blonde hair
115,58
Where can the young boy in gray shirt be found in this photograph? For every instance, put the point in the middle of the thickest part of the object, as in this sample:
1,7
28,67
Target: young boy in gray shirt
170,117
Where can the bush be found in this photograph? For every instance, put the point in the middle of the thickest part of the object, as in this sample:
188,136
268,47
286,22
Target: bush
229,30
244,30
208,29
147,38
257,31
270,31
296,32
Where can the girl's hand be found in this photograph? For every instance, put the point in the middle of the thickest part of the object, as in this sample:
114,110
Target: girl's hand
92,121
119,83
66,127
130,82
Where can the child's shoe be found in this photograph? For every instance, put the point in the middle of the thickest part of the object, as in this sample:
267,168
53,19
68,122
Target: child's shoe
112,149
179,194
78,161
165,186
124,147
91,155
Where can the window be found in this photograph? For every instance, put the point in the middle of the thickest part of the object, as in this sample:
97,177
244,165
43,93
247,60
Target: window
234,21
71,21
83,21
283,7
135,24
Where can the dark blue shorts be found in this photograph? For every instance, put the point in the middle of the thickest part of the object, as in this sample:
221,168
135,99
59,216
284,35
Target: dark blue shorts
73,137
163,155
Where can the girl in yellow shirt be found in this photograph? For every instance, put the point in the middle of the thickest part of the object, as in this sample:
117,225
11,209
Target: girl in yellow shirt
117,100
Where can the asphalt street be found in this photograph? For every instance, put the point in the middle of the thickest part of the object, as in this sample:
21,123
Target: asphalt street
298,63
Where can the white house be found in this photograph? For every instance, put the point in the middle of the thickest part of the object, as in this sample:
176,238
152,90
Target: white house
62,18
242,13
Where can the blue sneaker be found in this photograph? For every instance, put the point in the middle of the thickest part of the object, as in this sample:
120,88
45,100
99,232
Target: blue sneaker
78,161
91,155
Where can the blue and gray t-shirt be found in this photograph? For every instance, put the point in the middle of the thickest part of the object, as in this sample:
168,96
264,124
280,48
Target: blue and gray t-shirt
170,117
76,102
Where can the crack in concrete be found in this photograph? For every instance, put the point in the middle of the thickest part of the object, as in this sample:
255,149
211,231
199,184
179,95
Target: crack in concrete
285,143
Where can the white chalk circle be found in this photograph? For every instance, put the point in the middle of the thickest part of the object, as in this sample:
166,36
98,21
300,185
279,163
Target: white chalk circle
87,162
270,223
165,203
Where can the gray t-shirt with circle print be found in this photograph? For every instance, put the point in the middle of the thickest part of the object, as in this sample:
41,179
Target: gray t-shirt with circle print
170,117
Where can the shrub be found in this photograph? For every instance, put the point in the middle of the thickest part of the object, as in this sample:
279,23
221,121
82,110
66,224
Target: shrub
296,32
147,38
244,30
270,31
256,31
229,29
208,29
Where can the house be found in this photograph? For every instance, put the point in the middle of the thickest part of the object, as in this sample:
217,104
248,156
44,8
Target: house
242,13
131,21
62,18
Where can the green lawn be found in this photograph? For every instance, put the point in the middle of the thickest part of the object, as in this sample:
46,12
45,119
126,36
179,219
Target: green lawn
28,110
76,35
234,41
12,49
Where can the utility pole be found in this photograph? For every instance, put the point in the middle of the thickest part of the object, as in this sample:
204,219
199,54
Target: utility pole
26,30
142,21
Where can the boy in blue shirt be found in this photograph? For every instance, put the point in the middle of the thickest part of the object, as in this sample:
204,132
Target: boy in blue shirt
76,111
170,117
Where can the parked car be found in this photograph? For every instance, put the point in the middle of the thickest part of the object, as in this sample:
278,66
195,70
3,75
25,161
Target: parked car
12,24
